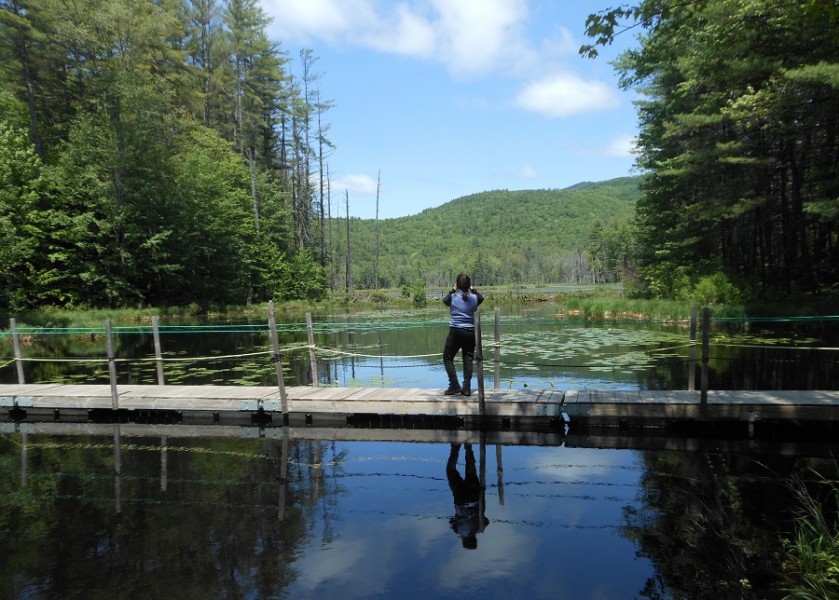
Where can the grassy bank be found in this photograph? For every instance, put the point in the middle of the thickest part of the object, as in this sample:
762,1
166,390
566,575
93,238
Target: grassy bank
812,554
602,302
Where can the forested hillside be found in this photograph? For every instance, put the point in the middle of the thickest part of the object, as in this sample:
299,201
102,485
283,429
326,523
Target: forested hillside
499,237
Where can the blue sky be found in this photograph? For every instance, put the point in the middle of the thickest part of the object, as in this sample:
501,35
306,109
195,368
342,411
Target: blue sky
452,97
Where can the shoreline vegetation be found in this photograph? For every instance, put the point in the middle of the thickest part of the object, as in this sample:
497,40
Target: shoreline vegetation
605,302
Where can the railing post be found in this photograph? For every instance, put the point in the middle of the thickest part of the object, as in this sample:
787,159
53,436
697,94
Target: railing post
479,357
277,357
16,348
313,360
117,467
164,465
112,367
158,353
692,351
283,475
706,339
497,378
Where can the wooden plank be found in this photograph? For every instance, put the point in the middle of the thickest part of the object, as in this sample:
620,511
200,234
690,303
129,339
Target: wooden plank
746,405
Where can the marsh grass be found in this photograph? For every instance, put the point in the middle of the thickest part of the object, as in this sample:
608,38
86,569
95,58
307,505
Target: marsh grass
812,564
596,303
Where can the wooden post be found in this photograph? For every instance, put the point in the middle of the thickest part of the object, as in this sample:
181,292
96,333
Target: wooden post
24,459
497,379
482,478
479,359
117,468
283,475
313,359
499,471
278,361
706,339
16,348
692,351
112,367
158,354
164,465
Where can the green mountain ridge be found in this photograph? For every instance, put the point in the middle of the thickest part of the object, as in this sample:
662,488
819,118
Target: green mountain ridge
499,236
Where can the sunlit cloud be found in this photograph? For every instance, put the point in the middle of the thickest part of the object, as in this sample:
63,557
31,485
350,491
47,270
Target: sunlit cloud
621,146
564,95
528,172
583,464
330,20
468,37
359,183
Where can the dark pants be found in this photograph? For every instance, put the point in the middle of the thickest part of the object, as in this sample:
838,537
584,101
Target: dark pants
459,339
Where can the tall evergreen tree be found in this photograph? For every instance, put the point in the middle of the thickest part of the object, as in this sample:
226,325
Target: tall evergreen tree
739,120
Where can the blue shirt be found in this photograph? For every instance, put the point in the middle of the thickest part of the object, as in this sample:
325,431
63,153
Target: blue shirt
462,309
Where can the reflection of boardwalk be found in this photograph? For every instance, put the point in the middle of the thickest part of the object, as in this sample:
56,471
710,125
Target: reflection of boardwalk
510,406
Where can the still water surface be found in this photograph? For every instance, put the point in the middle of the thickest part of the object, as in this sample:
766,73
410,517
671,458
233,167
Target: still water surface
170,517
238,512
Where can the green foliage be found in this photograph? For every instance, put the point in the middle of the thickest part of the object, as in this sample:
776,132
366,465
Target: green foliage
503,237
20,185
300,279
737,139
416,293
813,554
143,156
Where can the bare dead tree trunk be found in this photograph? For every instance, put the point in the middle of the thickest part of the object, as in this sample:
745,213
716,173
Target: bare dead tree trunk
376,261
332,274
349,260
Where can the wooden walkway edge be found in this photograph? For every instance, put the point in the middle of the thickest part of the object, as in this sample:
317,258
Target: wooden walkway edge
608,408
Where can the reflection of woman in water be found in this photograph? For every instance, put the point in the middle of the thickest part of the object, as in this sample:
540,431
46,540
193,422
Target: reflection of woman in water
467,521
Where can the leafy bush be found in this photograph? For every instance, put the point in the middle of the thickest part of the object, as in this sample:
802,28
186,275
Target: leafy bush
300,278
712,290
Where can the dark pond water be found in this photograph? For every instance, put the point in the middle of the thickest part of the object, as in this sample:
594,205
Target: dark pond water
121,516
404,349
166,511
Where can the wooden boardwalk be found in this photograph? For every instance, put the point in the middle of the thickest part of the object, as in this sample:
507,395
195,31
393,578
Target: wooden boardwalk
328,404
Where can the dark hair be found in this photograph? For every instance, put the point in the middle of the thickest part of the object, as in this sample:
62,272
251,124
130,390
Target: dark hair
463,284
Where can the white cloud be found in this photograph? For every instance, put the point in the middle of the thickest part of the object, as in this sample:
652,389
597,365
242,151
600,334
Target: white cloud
405,32
331,20
480,36
564,95
360,183
469,37
528,172
621,146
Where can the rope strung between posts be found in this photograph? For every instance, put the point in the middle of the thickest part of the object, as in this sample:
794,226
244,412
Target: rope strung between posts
358,326
336,352
359,355
773,347
333,352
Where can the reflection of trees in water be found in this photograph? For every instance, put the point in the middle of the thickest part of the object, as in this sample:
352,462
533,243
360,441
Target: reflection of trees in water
712,524
314,483
742,356
207,525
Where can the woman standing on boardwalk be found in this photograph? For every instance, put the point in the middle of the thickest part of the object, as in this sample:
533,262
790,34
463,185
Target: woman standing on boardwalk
463,300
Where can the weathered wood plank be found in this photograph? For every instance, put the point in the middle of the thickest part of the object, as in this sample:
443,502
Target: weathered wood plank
594,405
